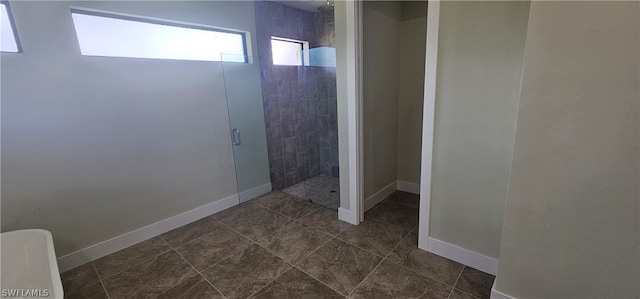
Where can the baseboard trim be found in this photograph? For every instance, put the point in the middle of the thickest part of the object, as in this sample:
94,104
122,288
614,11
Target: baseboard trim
463,256
254,192
409,187
347,216
495,294
125,240
380,196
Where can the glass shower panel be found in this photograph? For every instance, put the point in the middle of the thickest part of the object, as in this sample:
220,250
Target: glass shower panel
248,134
320,56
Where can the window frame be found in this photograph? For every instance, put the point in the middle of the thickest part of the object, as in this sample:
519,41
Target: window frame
14,29
156,21
303,43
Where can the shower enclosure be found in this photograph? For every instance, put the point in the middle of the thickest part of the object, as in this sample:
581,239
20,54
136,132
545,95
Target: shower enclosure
247,127
283,110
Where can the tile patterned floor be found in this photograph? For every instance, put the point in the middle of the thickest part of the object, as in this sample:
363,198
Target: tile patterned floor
280,246
322,190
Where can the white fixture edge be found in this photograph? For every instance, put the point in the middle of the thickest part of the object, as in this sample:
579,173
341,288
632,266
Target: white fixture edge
380,196
428,115
495,294
355,213
254,192
125,240
347,216
464,256
408,187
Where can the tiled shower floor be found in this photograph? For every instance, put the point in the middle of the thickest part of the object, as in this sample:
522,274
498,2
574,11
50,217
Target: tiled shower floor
280,246
321,190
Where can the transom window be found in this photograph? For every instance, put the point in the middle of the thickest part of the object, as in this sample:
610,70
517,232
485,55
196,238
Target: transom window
105,34
8,35
289,51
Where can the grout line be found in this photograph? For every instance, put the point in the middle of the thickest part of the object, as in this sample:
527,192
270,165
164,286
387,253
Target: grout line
246,237
380,263
85,286
242,249
192,267
305,215
316,279
331,237
274,279
374,219
313,251
272,210
137,264
340,230
230,228
414,271
365,278
100,280
455,283
258,240
396,247
418,273
224,259
146,259
279,229
378,206
290,264
402,203
395,226
367,250
320,281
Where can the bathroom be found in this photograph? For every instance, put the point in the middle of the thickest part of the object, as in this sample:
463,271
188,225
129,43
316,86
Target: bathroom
87,130
126,142
193,149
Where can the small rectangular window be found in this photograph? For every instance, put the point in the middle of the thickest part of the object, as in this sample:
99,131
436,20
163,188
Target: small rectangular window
101,34
289,51
9,38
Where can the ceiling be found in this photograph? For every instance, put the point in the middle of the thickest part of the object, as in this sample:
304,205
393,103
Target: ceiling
308,5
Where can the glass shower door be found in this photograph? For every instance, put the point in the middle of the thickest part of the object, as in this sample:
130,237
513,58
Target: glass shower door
243,88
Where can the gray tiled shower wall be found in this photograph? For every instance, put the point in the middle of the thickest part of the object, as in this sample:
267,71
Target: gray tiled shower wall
299,102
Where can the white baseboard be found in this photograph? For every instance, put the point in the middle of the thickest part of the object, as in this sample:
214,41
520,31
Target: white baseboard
120,242
463,256
254,192
495,294
409,187
379,196
346,216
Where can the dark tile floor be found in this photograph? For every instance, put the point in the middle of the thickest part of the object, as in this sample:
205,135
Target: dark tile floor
280,246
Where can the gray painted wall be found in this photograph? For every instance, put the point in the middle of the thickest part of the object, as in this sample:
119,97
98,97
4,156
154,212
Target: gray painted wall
381,39
571,227
94,147
480,54
393,82
413,34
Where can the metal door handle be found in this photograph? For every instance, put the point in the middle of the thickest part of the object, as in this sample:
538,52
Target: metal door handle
235,136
